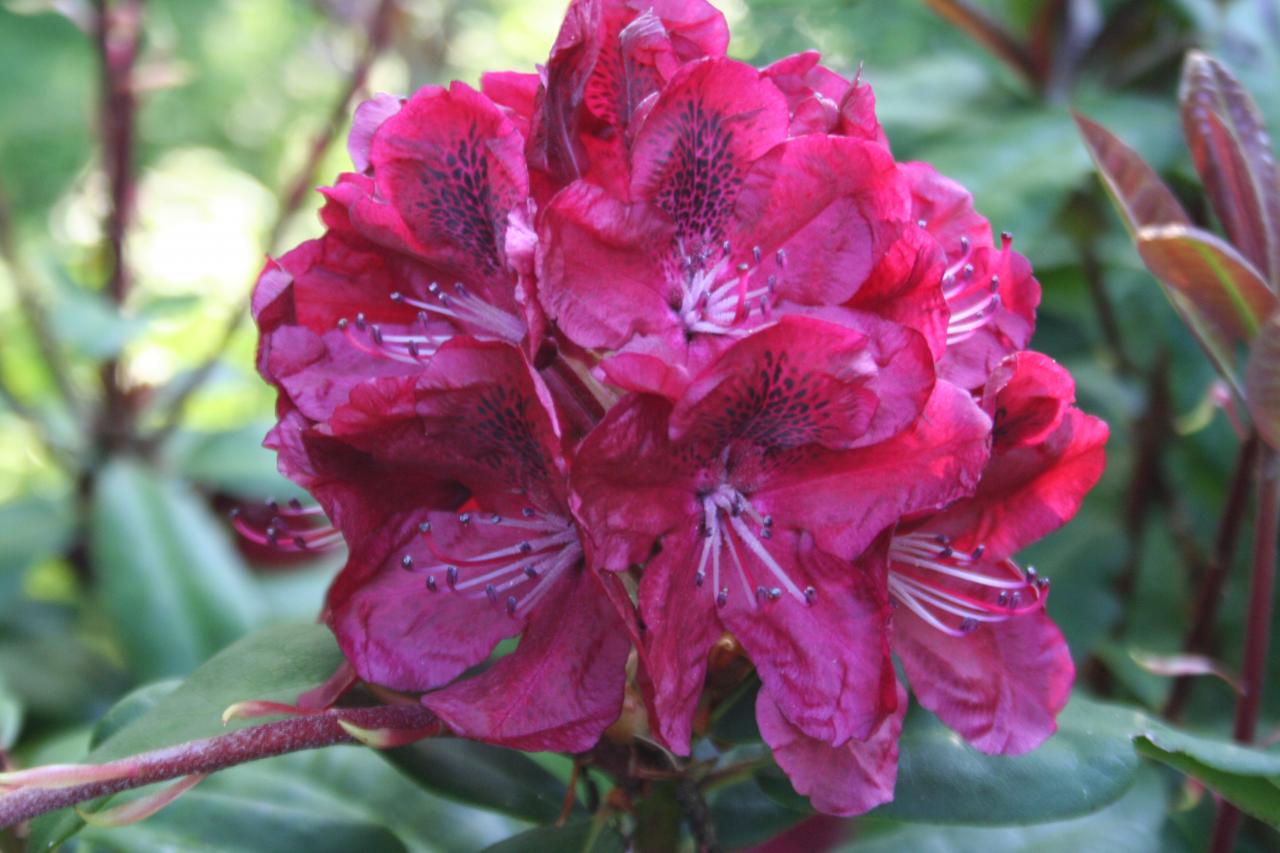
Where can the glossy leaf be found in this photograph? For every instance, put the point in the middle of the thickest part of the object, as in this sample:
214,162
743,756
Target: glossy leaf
1132,824
1256,795
1262,382
1226,291
501,780
757,809
585,836
337,799
159,551
1232,152
277,663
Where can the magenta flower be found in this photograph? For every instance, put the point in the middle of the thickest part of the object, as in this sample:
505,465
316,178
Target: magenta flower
653,346
784,461
969,625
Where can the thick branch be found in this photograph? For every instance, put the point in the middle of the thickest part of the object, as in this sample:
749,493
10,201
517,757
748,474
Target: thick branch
1209,598
206,756
379,34
990,34
1258,629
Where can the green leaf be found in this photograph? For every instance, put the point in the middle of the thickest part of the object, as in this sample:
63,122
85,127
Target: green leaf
232,461
91,325
34,527
757,809
1232,152
1132,824
1262,382
1257,795
501,780
174,588
275,664
339,799
941,779
585,836
130,708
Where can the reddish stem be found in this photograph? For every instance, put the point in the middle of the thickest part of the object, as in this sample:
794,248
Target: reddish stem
1224,549
1258,630
206,756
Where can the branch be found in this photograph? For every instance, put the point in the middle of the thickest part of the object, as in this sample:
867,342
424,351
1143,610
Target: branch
1210,597
989,33
379,34
295,734
1258,631
697,815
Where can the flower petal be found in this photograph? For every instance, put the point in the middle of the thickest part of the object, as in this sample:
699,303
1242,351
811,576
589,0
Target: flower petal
826,663
841,780
999,686
561,687
845,498
805,381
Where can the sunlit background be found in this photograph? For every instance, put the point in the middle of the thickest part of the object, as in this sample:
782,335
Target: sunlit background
233,95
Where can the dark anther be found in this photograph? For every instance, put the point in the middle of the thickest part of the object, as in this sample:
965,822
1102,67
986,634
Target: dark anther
511,605
722,598
451,575
699,578
424,527
755,254
766,533
375,332
342,323
495,518
1031,573
782,257
947,551
272,505
397,297
465,518
525,547
942,539
491,592
967,270
530,572
810,594
761,592
431,583
295,504
775,594
967,624
406,562
923,223
964,245
1003,599
1015,600
995,283
768,521
360,322
300,543
979,551
527,512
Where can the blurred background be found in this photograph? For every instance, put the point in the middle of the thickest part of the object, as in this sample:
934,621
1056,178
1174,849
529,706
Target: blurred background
130,428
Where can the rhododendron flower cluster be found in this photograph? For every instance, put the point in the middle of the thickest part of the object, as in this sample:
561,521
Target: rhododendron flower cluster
651,347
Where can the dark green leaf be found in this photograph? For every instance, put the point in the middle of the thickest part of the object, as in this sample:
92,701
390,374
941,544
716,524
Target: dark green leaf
477,774
581,837
160,552
130,708
275,664
1257,795
941,779
1132,824
747,814
316,800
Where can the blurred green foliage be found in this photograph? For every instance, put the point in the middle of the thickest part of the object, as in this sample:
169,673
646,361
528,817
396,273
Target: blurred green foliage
117,571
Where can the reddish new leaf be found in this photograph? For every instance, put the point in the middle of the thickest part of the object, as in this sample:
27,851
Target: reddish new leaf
1225,292
1137,191
1262,382
1232,153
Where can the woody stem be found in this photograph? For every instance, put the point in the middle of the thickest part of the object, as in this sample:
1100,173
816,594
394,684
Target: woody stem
216,753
